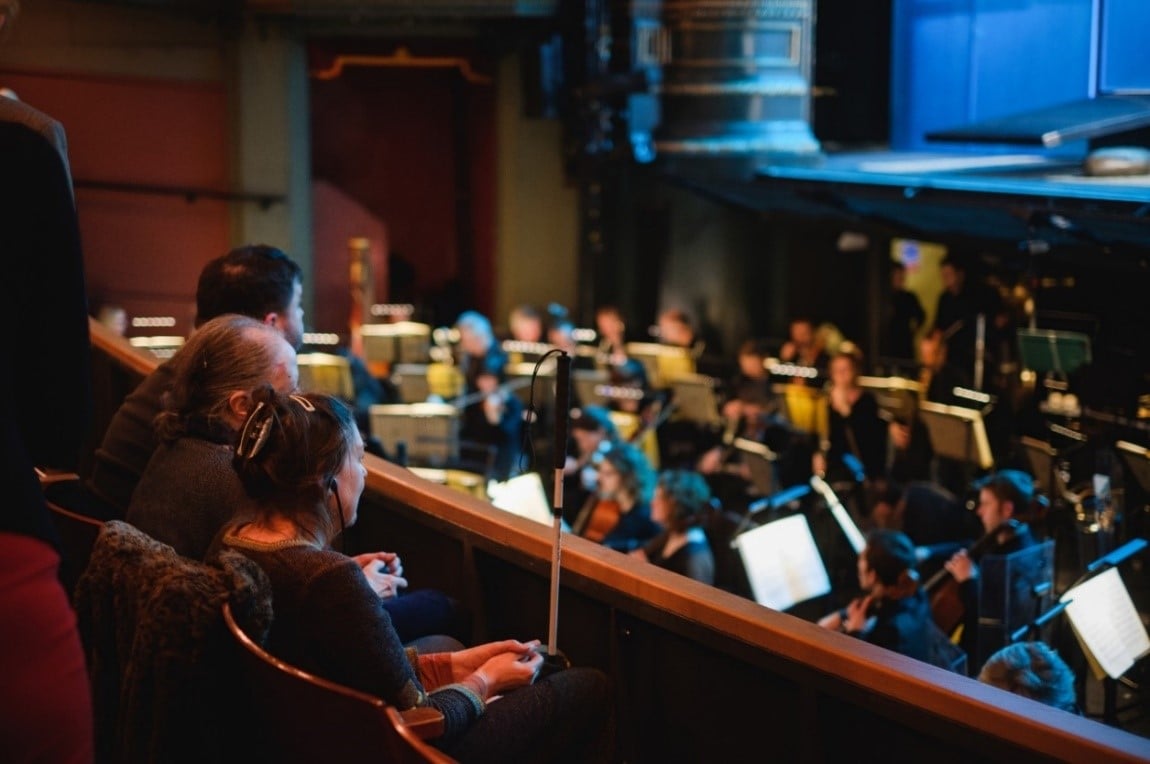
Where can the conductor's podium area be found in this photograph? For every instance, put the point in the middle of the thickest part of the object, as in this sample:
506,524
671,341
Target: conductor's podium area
698,674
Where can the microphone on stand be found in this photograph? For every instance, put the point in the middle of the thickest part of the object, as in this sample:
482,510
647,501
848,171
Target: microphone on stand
553,659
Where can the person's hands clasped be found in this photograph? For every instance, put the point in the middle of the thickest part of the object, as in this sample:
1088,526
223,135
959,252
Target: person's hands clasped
506,671
384,573
464,662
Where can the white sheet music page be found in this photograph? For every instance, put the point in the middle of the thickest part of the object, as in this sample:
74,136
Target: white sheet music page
1106,623
783,563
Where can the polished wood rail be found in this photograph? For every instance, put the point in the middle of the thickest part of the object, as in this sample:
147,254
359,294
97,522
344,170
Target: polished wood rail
698,674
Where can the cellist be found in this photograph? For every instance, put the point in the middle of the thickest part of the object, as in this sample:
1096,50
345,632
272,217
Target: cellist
1003,496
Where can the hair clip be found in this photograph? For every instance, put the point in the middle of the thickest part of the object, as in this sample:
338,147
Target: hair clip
254,435
308,406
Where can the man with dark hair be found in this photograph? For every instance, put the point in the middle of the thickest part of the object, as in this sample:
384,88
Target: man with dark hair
254,280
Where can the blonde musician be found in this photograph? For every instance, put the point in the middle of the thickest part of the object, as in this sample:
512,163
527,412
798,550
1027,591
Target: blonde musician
892,611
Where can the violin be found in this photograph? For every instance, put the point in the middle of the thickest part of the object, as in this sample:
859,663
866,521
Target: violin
598,518
946,605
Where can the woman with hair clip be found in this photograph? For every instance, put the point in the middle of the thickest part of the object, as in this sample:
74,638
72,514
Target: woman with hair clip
893,611
681,503
300,459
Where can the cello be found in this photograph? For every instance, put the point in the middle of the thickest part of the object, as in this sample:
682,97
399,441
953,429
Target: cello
946,606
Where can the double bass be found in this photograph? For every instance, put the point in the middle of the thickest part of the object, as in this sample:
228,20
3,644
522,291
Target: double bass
946,606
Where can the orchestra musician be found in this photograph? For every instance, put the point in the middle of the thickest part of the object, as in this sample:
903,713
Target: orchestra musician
593,433
495,418
620,517
893,611
525,324
612,357
681,504
803,348
856,445
903,317
1004,496
913,455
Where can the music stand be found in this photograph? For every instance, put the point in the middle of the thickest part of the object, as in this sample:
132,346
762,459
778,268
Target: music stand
760,462
783,563
522,495
401,342
1137,460
957,433
661,362
430,430
806,409
695,401
587,382
520,376
326,373
897,396
1043,350
410,379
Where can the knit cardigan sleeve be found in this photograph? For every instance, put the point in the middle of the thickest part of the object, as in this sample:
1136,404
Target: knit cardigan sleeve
351,636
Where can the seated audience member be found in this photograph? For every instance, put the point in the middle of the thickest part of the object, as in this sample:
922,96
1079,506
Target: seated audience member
681,505
893,611
256,281
1032,670
621,516
299,459
188,490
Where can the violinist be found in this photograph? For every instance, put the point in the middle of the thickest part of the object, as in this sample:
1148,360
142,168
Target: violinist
496,417
593,433
621,516
893,611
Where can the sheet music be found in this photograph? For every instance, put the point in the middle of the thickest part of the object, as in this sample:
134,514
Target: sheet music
1106,623
523,495
783,563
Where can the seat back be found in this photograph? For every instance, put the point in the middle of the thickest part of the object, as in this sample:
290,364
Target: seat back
77,537
161,661
302,718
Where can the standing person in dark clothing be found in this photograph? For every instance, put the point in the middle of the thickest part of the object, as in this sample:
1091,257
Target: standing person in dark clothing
904,317
300,460
45,403
959,306
894,612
